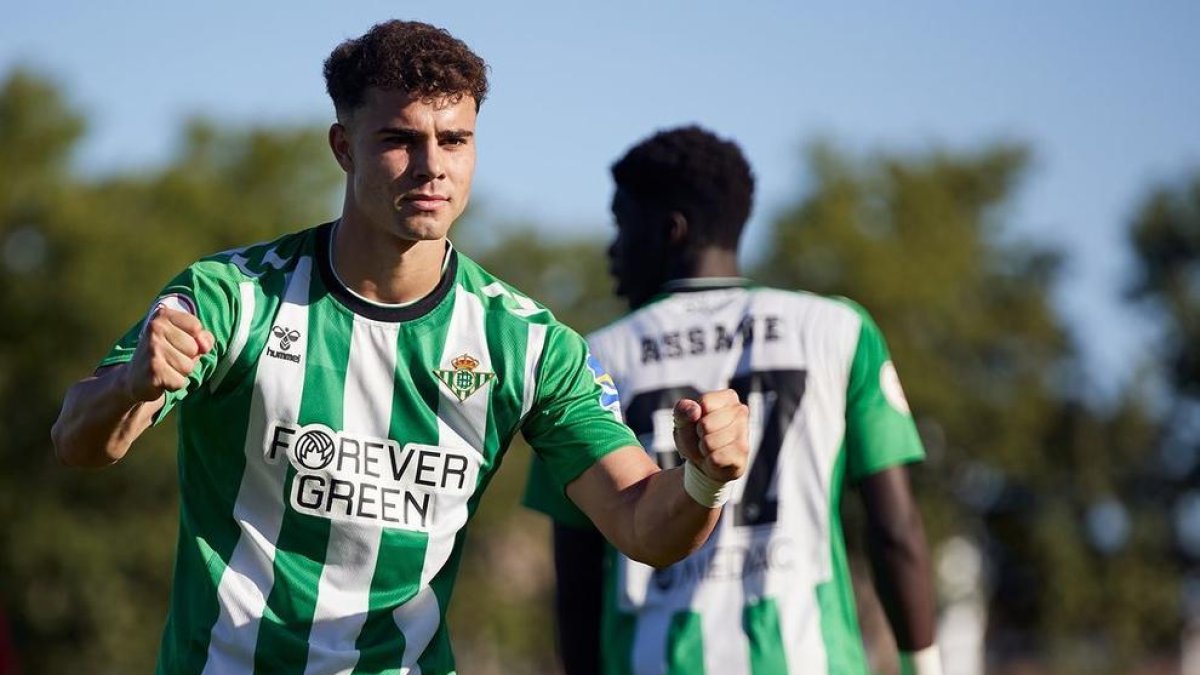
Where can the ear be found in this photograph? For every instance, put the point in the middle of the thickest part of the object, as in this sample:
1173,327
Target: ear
677,228
339,143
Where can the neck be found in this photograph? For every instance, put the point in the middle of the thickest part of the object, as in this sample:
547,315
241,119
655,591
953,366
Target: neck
708,262
384,268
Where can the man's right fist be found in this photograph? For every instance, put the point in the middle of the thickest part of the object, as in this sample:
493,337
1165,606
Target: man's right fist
172,343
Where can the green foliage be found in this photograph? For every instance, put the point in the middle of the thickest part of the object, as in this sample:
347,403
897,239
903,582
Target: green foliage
87,556
924,242
1166,239
921,242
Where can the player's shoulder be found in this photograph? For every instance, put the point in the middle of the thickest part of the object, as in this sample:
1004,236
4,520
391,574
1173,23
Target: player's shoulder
807,306
500,298
259,260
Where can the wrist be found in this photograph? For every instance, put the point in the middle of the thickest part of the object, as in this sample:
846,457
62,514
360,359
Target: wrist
927,661
130,396
704,490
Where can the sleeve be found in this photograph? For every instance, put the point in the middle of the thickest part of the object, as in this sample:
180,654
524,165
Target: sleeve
545,495
576,414
203,294
880,432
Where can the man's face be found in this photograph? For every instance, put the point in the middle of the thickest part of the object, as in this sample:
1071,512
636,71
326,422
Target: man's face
638,255
409,162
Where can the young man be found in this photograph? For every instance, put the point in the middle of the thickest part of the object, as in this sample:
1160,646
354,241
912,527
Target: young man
770,592
346,392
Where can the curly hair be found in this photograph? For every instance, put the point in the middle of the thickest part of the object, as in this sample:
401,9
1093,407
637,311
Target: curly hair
693,171
410,56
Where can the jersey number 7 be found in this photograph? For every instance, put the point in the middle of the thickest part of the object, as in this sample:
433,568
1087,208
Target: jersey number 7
774,398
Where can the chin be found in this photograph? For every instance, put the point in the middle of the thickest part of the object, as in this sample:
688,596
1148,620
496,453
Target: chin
421,229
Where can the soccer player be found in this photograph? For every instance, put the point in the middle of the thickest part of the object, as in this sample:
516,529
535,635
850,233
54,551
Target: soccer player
770,592
346,392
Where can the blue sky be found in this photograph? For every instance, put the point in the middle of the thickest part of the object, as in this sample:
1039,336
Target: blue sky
1106,94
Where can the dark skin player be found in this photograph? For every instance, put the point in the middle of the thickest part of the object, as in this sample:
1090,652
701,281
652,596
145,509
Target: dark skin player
652,247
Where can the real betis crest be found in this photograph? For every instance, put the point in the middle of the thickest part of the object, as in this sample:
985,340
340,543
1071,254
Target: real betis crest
463,380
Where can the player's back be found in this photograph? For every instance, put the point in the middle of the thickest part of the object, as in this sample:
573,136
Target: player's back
769,592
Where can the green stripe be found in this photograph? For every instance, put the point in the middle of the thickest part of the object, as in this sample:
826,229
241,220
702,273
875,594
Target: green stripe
402,552
300,550
685,645
760,620
835,598
509,342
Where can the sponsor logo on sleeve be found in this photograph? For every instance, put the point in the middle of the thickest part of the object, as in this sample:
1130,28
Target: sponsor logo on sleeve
609,399
889,383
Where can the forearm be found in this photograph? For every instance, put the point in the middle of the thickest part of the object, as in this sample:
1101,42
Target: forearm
99,420
652,519
903,579
667,524
900,558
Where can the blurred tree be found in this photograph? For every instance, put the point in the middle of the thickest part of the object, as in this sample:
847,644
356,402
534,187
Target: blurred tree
1016,460
86,557
1044,481
1165,237
1166,240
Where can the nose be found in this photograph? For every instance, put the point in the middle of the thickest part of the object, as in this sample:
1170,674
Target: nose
428,162
614,256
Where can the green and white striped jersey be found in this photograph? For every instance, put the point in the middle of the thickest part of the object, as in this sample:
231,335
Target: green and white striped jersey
331,451
770,592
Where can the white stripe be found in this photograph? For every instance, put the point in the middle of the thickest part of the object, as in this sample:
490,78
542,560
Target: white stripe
343,593
245,318
461,424
726,645
534,344
649,655
525,306
419,619
247,580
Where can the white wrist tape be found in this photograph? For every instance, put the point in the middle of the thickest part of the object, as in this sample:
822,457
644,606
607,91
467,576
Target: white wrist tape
927,661
707,492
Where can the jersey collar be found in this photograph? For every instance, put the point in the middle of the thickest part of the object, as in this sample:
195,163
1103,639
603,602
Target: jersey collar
374,310
693,284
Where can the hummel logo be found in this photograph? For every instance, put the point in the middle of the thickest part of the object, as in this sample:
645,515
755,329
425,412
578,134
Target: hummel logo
286,337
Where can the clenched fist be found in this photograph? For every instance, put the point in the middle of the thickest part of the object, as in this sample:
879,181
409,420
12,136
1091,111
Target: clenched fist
713,434
172,343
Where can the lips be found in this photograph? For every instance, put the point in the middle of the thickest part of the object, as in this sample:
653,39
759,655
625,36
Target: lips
424,202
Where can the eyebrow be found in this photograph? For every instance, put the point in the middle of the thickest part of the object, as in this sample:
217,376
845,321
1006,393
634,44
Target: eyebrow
413,133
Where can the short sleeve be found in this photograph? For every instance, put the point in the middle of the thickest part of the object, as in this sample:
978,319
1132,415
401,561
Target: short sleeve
576,415
880,432
545,495
203,293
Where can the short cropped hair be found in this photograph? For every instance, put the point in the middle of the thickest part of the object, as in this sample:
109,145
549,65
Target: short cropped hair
693,171
410,56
